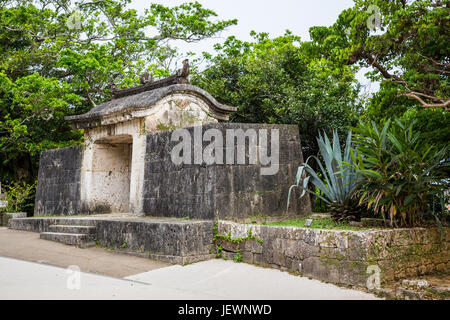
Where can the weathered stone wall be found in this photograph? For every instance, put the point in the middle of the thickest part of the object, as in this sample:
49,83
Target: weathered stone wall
33,224
179,110
216,191
58,188
172,241
79,181
103,178
335,256
342,256
109,183
6,216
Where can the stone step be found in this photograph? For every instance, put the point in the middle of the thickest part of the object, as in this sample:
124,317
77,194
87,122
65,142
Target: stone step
75,222
79,240
59,228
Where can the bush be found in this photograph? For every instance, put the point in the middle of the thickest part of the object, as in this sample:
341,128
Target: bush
19,196
403,175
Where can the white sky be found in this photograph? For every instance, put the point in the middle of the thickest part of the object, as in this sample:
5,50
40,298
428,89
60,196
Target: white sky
271,16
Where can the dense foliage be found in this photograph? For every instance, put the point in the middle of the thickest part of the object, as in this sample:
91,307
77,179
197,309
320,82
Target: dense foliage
20,197
405,46
403,174
404,42
277,81
60,58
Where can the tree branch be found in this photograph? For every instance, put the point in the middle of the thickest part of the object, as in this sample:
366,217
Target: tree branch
444,105
373,62
410,94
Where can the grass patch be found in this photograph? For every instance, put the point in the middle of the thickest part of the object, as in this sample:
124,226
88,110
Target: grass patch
61,216
318,223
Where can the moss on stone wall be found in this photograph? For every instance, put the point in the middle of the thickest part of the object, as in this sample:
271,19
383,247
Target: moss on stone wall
340,256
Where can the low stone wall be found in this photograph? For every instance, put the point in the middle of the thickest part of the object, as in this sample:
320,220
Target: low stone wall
336,256
6,216
32,224
341,256
172,241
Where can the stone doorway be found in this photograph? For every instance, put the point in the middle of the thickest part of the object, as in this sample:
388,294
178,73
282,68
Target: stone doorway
110,174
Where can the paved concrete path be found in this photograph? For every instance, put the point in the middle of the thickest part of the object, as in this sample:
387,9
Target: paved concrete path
28,246
209,280
232,280
138,278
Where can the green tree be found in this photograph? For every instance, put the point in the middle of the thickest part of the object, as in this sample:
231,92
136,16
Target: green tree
405,43
433,123
60,57
282,80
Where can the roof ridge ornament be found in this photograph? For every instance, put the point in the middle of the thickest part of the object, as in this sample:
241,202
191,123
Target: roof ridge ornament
146,78
147,83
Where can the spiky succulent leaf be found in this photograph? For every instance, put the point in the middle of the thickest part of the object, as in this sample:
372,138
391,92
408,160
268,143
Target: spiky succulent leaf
338,177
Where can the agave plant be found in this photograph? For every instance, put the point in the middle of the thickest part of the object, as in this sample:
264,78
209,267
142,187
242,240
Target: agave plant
337,180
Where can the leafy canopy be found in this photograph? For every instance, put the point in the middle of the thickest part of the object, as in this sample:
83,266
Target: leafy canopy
280,81
60,57
408,51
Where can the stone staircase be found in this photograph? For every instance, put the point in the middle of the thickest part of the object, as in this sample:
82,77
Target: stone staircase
77,232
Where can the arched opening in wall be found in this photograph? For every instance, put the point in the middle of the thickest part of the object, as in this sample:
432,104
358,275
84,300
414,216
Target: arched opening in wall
111,171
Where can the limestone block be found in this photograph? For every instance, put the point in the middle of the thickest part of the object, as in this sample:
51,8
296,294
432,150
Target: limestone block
247,257
231,190
258,259
292,248
311,237
278,258
253,246
306,251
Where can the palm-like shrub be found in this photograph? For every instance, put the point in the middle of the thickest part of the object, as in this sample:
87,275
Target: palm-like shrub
403,175
337,179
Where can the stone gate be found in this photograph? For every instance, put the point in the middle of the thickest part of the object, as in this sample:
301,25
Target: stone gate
126,163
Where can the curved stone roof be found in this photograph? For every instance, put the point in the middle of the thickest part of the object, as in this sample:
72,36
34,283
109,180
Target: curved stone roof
146,100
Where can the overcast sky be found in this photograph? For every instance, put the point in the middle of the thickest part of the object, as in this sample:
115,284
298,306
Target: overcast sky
271,16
